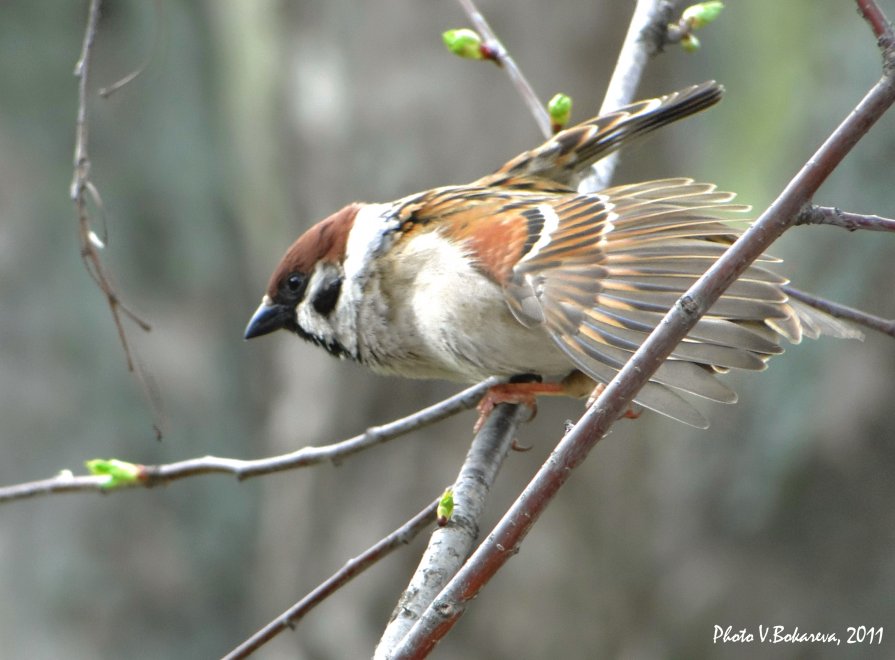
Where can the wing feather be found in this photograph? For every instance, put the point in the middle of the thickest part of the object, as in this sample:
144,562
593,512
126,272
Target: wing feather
653,395
616,261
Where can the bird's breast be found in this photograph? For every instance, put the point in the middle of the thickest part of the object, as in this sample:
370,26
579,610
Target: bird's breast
431,313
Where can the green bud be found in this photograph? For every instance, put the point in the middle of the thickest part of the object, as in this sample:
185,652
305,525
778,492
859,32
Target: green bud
690,43
464,42
560,109
445,507
118,473
697,16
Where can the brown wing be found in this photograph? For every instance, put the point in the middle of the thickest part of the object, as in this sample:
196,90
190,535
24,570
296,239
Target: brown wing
496,226
614,263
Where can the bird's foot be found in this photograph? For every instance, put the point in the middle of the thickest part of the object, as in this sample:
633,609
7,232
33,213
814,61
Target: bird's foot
516,393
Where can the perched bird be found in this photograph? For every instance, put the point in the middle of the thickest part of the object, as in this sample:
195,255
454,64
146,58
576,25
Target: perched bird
519,275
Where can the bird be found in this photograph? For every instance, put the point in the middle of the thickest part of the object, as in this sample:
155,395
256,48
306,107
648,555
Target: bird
519,275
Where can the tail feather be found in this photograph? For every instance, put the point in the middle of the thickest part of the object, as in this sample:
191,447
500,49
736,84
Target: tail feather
562,158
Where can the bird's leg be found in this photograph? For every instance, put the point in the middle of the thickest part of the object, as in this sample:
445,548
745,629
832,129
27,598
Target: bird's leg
525,389
517,391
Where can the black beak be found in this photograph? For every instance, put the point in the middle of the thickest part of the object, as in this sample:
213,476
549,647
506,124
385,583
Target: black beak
268,318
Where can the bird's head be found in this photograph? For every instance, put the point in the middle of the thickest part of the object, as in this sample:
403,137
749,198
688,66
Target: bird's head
305,291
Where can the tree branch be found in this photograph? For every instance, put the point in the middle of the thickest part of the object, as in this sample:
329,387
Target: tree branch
449,546
504,541
352,568
153,475
830,215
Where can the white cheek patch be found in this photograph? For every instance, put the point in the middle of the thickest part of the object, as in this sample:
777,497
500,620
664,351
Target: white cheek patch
326,322
310,321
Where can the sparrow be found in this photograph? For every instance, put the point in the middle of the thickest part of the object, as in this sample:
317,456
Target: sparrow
521,276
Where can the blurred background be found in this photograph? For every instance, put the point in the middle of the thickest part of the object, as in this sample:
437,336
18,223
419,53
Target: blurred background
255,119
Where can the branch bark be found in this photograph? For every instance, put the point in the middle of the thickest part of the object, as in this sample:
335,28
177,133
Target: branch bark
153,475
830,215
449,546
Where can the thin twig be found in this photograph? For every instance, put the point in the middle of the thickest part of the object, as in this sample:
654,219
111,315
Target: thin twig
856,316
504,541
352,568
154,49
64,482
882,29
153,475
502,57
830,215
449,546
80,190
81,187
107,91
82,164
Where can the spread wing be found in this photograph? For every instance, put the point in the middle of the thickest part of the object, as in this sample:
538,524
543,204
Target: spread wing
607,267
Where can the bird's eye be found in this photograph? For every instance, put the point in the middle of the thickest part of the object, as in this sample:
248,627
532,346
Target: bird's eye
293,286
